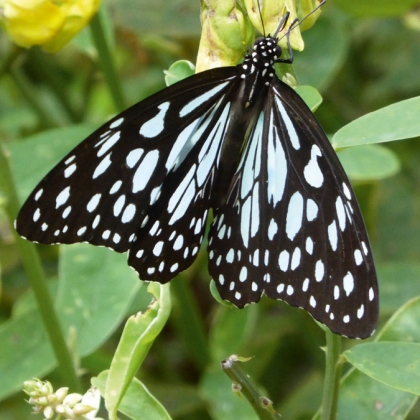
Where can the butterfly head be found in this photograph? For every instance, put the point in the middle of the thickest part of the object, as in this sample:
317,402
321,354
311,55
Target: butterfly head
266,51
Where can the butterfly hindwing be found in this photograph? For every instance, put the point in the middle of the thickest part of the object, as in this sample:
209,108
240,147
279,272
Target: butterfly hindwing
290,227
102,191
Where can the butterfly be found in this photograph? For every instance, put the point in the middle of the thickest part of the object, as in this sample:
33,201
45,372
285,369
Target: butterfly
241,142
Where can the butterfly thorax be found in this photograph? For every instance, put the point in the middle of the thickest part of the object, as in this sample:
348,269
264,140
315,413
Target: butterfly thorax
257,68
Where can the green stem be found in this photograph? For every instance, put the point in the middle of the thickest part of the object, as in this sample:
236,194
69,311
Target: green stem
32,97
261,404
106,62
33,268
189,323
332,376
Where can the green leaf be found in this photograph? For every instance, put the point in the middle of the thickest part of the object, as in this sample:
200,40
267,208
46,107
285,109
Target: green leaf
399,282
139,333
371,162
394,122
32,158
25,352
179,70
363,397
403,325
95,290
175,18
310,95
138,403
317,68
376,8
392,363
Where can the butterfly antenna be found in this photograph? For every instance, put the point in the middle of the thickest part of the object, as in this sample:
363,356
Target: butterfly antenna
282,24
296,22
262,20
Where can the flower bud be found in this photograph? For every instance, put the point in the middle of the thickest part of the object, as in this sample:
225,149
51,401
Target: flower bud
47,23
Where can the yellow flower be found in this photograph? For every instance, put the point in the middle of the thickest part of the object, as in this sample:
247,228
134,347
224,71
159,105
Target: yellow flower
50,24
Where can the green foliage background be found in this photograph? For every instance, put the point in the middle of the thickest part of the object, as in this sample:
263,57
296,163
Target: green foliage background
361,56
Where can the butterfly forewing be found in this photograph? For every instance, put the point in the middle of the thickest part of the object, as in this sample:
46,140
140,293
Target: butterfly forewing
169,240
291,227
103,190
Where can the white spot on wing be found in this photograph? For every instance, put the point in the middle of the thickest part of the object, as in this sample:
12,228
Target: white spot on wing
66,212
294,215
109,143
230,256
319,270
129,213
178,243
37,215
93,203
103,166
365,249
81,231
311,210
200,100
276,166
158,248
332,235
62,197
133,157
38,194
155,126
294,139
346,191
312,172
309,245
341,214
116,123
284,260
358,256
348,283
272,229
182,196
145,171
295,258
115,187
119,204
70,170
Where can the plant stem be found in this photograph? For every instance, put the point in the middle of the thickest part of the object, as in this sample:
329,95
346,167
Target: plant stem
261,404
189,323
35,273
332,376
106,62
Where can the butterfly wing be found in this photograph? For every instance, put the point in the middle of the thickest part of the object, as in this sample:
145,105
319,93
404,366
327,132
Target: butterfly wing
104,189
291,226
